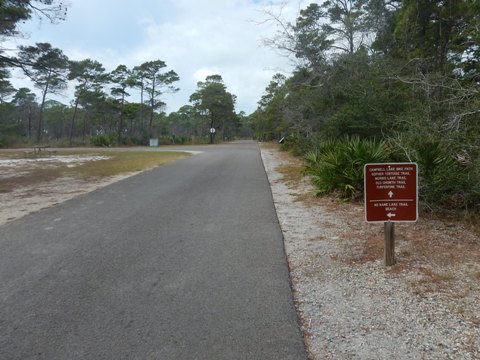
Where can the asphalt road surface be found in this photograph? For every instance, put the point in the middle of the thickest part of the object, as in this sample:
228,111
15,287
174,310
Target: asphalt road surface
185,261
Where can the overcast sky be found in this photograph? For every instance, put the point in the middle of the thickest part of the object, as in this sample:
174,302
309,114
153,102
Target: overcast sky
195,38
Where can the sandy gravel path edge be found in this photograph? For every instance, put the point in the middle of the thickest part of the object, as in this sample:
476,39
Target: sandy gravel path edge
353,307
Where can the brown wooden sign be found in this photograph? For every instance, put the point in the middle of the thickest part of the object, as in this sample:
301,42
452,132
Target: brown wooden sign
391,192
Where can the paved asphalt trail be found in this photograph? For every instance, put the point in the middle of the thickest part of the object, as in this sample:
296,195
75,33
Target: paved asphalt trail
185,261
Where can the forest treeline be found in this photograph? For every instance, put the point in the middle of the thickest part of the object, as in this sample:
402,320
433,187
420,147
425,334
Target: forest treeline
100,111
380,80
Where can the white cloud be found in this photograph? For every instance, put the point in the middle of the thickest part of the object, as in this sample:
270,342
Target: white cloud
201,74
195,39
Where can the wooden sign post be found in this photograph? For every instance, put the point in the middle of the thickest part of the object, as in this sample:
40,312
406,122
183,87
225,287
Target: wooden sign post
391,195
389,243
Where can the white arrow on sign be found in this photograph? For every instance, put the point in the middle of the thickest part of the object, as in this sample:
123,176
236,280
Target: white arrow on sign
390,194
390,215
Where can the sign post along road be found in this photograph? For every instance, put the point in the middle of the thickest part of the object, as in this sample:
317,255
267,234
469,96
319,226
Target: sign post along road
391,192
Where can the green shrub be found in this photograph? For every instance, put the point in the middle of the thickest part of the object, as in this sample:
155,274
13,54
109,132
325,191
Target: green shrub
104,140
449,175
298,145
444,182
338,165
289,142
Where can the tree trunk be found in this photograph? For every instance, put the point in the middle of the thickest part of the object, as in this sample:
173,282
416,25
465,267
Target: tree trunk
84,126
40,118
72,124
152,105
142,113
29,122
120,125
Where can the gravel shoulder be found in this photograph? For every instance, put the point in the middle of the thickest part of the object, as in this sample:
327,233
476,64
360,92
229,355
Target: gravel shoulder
353,307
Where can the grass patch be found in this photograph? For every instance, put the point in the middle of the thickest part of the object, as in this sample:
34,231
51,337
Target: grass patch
31,177
119,162
292,174
124,162
271,145
11,154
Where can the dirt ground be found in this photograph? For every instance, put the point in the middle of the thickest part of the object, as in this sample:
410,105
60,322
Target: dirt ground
31,184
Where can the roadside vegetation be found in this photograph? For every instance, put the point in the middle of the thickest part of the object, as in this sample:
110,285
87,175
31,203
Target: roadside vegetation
381,81
446,184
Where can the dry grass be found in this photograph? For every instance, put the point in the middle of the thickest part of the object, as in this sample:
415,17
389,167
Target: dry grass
272,145
119,162
28,178
124,162
292,174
